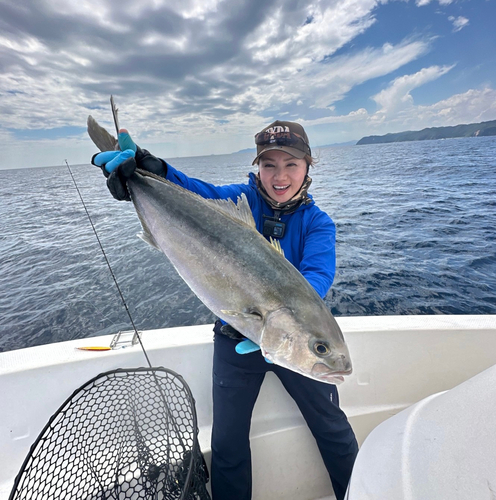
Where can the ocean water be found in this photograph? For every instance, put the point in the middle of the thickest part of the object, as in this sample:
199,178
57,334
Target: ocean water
415,235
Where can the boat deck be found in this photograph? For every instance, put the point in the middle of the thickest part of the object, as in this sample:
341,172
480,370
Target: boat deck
397,362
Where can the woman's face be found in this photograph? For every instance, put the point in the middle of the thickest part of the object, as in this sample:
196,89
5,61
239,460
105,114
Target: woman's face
281,174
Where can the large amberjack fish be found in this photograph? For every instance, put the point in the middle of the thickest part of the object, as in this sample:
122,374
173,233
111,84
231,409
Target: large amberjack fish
238,274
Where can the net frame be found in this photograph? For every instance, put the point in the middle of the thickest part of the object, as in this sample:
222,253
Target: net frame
124,434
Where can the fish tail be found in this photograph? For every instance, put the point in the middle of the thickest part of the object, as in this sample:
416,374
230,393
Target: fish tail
102,139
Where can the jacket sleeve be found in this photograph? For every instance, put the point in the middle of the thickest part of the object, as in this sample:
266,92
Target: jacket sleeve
205,189
318,263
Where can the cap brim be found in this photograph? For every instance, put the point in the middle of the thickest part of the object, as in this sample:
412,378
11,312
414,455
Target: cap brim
292,151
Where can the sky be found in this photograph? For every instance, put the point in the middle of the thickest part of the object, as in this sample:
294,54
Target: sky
201,77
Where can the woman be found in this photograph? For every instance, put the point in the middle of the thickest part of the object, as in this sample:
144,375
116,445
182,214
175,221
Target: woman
283,209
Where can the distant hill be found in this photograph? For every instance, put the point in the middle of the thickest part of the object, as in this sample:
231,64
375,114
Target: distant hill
338,144
247,150
472,130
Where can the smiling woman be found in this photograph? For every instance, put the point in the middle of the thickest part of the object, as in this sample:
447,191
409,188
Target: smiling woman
283,210
284,157
282,175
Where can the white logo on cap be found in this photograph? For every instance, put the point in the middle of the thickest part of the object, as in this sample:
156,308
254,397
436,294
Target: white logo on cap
278,129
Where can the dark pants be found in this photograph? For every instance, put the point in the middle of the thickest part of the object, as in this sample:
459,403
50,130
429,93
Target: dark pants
236,383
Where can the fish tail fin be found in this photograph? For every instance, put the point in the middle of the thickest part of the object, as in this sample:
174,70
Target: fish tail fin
101,138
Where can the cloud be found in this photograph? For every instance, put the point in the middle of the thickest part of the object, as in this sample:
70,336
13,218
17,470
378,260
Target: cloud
397,96
421,3
183,68
458,22
338,77
166,61
475,105
199,76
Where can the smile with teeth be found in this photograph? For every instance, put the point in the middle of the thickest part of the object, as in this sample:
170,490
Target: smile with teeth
280,188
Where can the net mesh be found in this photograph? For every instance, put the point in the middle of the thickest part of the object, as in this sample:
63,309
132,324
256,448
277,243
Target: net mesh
126,434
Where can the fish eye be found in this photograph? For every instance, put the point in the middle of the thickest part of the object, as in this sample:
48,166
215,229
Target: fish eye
321,348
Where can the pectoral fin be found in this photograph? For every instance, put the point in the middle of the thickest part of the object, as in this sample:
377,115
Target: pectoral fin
148,238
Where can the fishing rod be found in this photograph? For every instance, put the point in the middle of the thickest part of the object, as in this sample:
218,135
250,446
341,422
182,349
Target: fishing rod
196,467
163,396
110,268
170,464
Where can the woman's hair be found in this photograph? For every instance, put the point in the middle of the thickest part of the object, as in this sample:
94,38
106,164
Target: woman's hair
311,161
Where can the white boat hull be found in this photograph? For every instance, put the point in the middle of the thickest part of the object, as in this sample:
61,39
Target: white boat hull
442,447
397,362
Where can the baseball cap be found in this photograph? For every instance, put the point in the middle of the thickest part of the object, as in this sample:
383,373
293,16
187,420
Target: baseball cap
289,137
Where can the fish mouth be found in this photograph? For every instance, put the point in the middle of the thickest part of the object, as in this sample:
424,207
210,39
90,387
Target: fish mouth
332,379
324,373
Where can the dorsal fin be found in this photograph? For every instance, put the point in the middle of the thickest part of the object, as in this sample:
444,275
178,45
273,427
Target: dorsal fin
239,211
276,245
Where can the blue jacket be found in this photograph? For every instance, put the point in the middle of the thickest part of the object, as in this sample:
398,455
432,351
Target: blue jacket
310,236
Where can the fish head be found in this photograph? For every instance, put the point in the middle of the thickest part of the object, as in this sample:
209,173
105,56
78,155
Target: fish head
315,348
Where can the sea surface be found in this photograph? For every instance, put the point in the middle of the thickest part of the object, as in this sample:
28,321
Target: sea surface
416,234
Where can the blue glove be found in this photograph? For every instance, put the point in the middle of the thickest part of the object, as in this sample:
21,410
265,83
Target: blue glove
110,160
246,346
118,166
125,141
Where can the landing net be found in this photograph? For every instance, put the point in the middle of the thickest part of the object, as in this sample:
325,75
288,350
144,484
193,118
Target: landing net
126,434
